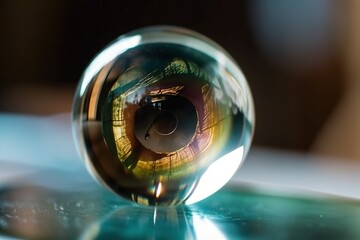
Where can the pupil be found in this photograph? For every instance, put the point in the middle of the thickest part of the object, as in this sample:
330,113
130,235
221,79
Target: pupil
165,124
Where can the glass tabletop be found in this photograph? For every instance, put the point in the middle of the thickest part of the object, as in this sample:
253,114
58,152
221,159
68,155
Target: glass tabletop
46,193
54,204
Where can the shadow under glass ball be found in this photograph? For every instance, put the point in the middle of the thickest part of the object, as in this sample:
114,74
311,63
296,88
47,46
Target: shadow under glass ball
160,120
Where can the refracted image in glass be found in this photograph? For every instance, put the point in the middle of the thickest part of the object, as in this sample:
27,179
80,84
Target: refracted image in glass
170,124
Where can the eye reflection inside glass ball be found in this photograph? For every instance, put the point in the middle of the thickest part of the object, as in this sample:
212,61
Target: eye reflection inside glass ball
163,122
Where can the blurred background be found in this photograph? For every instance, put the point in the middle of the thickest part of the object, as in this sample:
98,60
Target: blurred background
300,58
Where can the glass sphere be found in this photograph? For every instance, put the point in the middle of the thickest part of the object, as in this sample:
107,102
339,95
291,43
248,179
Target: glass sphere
163,116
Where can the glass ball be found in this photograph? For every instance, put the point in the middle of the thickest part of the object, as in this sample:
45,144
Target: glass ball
163,116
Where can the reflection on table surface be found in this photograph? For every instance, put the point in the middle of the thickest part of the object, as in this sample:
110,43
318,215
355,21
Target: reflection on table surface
46,193
68,204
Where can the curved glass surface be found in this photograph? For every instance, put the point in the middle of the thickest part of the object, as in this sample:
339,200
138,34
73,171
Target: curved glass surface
163,116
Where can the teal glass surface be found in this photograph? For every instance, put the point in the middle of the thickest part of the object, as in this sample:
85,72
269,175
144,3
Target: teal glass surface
72,206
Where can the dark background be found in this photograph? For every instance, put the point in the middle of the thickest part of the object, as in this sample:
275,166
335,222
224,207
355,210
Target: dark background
292,53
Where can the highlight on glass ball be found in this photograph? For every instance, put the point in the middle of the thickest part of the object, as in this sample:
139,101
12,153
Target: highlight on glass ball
163,116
